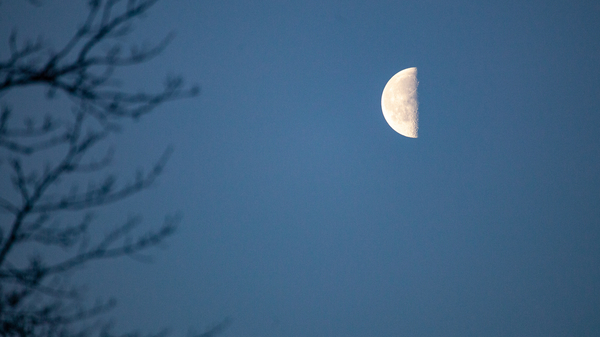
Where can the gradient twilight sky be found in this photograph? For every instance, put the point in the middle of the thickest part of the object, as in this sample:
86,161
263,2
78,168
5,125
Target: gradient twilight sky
305,214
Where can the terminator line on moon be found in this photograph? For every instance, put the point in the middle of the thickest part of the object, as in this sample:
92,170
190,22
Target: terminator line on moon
399,103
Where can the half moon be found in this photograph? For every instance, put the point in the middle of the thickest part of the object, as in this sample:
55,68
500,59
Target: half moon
399,103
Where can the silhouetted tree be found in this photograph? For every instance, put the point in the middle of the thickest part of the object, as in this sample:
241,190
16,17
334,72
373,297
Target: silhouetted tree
36,298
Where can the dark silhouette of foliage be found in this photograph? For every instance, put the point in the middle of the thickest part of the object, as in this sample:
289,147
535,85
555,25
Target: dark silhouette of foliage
36,298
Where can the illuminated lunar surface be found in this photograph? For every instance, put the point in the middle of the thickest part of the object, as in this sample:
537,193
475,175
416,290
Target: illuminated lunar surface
399,103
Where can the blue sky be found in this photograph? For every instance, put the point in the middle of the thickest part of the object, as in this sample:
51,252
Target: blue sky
305,214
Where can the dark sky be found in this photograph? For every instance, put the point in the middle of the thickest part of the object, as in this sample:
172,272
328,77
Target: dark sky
305,214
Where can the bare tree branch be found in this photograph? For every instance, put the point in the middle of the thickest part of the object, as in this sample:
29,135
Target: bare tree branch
36,298
73,75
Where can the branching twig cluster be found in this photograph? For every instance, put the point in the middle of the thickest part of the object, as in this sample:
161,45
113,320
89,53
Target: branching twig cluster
83,73
35,297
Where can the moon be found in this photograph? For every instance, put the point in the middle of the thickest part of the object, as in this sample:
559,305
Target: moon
399,103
